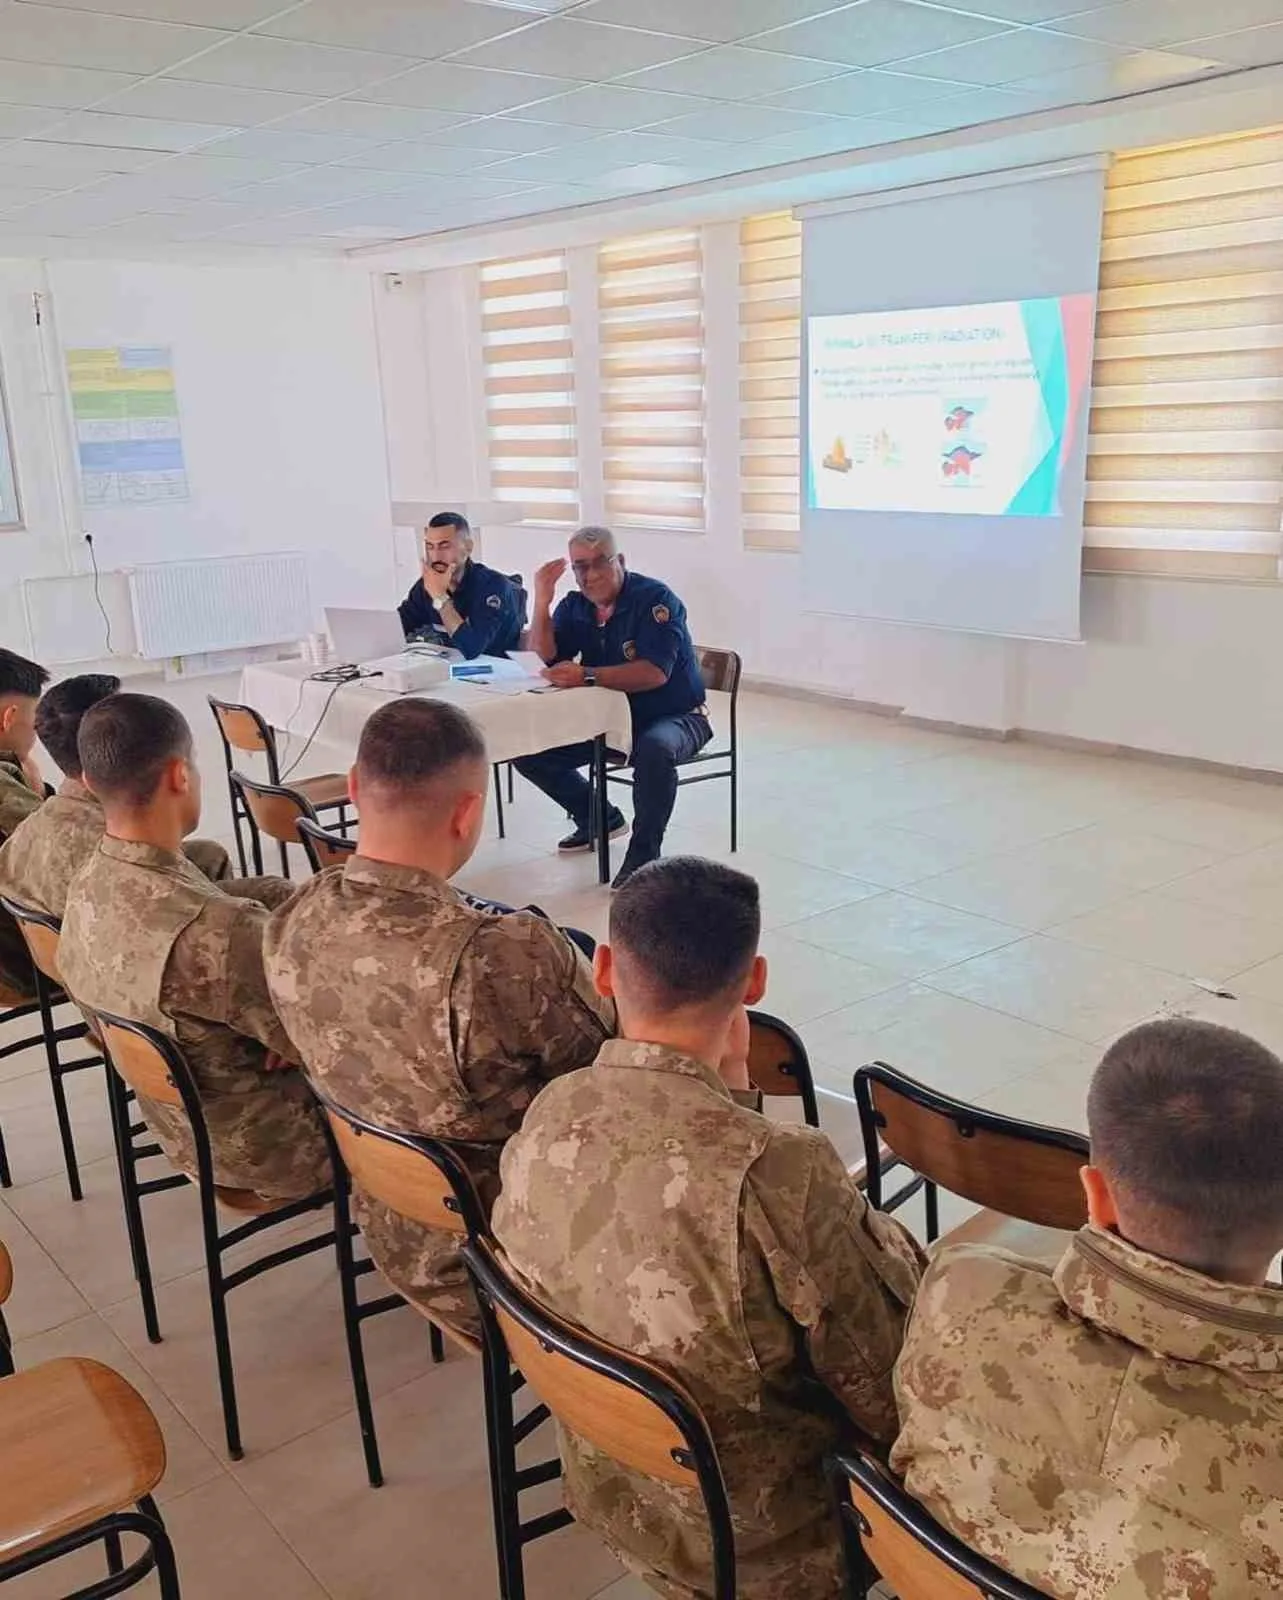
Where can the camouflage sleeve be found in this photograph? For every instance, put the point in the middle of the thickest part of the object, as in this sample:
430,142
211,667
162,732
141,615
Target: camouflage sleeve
17,802
216,972
525,994
844,1272
267,891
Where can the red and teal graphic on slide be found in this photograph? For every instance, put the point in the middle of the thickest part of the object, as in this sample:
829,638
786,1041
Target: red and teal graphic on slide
1059,336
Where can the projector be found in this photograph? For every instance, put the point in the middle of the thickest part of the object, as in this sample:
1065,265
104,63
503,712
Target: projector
409,672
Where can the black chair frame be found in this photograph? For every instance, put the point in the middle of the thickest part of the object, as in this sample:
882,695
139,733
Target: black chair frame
891,1497
311,832
495,1289
799,1069
729,755
146,1522
966,1118
131,1150
49,996
239,782
514,578
504,1431
240,812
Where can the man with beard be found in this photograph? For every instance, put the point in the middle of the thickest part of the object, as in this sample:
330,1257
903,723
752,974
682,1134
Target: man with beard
458,602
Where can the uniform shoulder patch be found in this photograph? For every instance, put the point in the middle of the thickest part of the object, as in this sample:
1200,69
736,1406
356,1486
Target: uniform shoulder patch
660,613
630,650
494,601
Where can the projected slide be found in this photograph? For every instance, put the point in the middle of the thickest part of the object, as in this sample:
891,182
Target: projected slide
971,409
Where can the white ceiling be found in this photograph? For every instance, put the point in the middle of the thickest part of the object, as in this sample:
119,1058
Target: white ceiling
329,124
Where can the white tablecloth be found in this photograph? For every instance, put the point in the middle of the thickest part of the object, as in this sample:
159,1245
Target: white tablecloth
513,725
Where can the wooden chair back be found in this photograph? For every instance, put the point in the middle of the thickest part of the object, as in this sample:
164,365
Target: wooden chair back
140,1061
779,1065
916,1557
722,669
243,728
41,932
276,810
1020,1169
6,1273
621,1404
324,849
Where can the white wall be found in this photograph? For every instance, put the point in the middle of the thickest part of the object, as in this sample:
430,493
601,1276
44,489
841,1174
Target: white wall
278,389
1181,667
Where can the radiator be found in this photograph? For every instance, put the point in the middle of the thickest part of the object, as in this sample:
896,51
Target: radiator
185,608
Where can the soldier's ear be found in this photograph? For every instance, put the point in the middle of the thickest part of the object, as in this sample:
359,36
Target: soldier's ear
352,785
756,986
1102,1212
603,972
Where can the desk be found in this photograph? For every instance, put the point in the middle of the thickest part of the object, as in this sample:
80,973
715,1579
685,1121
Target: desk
513,725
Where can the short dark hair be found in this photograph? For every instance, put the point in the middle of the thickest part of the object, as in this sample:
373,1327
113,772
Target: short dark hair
1186,1119
450,519
125,742
409,744
688,929
18,676
59,714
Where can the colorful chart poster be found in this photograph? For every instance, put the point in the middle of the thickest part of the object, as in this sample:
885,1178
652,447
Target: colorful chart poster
128,438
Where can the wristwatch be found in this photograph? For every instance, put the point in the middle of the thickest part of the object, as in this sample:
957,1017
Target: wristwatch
590,678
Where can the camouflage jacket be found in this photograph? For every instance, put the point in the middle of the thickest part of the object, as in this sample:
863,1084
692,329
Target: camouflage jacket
18,800
47,850
1114,1429
424,1014
641,1202
147,936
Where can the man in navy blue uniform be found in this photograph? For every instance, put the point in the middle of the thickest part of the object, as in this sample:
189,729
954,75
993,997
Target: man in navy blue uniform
457,601
625,632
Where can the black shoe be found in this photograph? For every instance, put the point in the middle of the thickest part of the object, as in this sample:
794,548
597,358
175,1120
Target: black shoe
632,863
582,838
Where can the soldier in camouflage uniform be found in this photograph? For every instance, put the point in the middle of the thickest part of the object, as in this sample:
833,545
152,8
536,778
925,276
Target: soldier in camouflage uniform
1113,1430
147,936
38,863
416,1008
646,1201
21,792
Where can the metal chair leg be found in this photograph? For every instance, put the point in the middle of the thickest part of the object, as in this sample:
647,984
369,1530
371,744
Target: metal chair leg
436,1344
222,1334
166,1566
115,1554
735,804
236,829
498,801
285,858
6,1176
49,1027
511,784
352,1331
6,1349
931,1198
502,1458
126,1165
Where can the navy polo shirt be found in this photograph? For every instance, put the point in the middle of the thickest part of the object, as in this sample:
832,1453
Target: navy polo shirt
489,604
647,624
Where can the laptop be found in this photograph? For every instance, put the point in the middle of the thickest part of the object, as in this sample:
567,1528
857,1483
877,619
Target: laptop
359,636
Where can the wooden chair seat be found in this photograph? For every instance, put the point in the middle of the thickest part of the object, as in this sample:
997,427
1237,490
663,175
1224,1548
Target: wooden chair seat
1027,1239
77,1443
328,789
6,1274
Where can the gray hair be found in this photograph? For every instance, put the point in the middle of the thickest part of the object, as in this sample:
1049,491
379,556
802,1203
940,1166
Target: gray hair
597,539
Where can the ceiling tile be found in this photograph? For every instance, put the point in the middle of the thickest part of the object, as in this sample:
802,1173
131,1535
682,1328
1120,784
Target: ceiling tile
313,149
184,101
456,88
968,109
1257,47
27,84
859,94
510,135
1034,10
369,121
11,195
427,28
315,185
18,121
135,133
196,176
611,106
808,143
585,50
731,72
741,124
88,39
718,21
1147,23
1014,56
255,62
208,13
45,155
878,32
422,155
1147,69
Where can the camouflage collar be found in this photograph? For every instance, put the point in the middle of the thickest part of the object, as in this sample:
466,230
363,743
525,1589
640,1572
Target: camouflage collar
392,875
141,855
659,1058
1169,1309
74,789
11,765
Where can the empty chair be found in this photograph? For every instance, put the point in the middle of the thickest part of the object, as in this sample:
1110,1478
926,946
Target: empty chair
323,848
1025,1175
274,809
625,1407
80,1454
242,729
884,1528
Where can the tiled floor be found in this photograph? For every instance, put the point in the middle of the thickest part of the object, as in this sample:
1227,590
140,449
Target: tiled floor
983,915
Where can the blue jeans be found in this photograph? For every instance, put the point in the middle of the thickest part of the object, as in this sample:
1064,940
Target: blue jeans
658,750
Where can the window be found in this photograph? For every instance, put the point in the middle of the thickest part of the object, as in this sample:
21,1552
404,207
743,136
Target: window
530,386
651,309
770,380
1186,452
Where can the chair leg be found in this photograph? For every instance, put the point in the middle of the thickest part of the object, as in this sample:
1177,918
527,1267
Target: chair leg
6,1349
511,784
352,1332
115,1555
222,1334
236,829
126,1165
162,1549
285,858
502,1453
6,1176
65,1134
735,804
436,1344
931,1199
498,801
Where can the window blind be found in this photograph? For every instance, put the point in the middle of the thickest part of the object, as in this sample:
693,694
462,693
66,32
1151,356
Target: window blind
770,380
651,311
530,386
1185,471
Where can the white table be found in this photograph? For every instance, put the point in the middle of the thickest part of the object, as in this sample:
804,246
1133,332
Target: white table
283,693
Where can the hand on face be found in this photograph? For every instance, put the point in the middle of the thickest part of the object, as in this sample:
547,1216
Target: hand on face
437,578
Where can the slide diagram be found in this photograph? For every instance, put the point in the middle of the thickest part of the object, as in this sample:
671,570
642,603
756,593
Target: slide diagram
970,409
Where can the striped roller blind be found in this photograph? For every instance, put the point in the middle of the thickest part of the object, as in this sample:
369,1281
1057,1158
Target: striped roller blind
770,380
1186,453
530,386
651,307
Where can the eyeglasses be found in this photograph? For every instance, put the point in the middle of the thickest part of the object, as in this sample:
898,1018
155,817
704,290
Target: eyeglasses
585,569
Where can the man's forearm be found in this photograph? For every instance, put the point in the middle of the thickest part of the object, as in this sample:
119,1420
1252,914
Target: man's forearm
634,677
543,640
